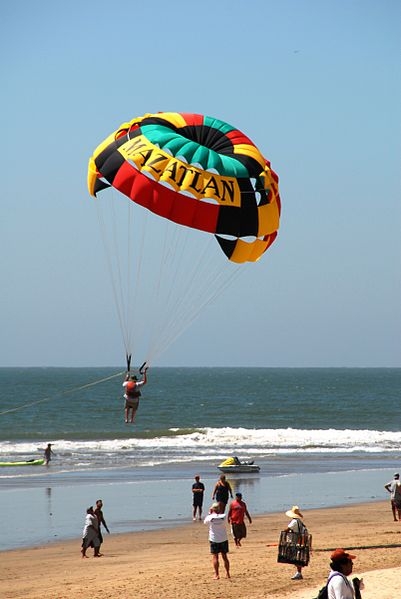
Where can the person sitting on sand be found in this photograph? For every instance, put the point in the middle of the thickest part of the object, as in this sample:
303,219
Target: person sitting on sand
90,535
132,395
338,585
218,539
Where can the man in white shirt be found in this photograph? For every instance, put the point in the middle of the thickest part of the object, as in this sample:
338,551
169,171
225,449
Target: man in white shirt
393,487
218,539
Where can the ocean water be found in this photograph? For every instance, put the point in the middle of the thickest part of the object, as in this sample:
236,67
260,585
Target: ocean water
302,426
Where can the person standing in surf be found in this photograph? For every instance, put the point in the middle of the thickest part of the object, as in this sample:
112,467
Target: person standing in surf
198,490
221,491
48,454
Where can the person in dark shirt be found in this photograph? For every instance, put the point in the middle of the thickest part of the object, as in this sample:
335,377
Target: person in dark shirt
198,490
102,522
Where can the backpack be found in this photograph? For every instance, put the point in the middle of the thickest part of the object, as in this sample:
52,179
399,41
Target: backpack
324,593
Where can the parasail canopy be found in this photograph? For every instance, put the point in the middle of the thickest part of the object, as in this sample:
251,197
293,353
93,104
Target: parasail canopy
196,171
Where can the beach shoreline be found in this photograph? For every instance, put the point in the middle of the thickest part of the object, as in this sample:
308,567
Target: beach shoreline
57,505
175,562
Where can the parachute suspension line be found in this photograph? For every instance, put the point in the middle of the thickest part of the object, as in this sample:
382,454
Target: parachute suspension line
207,277
136,324
109,253
128,283
195,309
172,276
158,300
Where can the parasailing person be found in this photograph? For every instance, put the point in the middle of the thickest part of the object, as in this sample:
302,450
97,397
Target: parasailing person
132,393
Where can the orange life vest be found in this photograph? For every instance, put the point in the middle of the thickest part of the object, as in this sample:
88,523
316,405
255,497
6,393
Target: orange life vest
132,390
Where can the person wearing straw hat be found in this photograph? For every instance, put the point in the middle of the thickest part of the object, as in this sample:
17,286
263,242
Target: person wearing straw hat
297,526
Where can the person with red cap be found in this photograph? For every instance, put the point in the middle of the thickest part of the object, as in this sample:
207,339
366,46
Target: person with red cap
338,585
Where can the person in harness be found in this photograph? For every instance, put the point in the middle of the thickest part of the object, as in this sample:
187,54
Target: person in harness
132,394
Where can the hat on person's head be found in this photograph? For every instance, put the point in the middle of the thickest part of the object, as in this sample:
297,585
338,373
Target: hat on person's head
294,512
339,555
238,494
396,475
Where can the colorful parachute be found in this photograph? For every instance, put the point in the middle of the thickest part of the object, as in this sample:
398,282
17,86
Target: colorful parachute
196,171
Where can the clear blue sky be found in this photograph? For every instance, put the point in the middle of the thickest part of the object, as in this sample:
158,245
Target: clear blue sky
316,85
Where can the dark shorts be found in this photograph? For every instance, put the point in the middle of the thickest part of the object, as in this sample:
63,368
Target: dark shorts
239,531
198,501
216,548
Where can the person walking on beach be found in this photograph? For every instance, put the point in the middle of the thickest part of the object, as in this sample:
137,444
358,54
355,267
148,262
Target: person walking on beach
90,535
394,488
298,527
132,395
221,491
198,490
48,453
236,517
101,521
218,539
338,585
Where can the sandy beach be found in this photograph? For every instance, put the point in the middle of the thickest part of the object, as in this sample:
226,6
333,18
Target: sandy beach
176,562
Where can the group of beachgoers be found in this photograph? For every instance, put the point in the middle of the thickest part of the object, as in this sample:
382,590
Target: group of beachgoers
216,519
294,546
92,533
295,541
